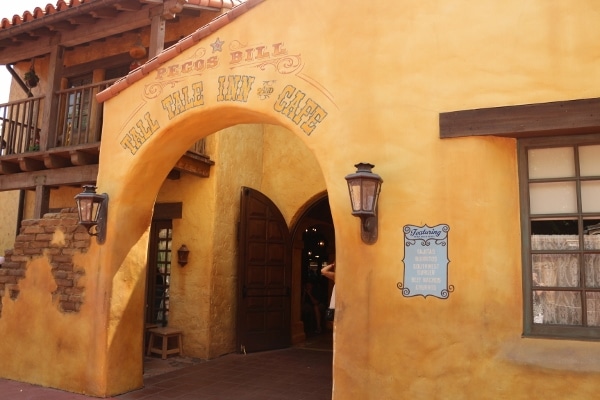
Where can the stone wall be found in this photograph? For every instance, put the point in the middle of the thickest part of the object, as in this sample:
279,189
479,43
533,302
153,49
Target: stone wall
57,236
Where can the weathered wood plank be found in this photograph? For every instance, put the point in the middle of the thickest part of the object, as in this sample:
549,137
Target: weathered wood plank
556,118
73,176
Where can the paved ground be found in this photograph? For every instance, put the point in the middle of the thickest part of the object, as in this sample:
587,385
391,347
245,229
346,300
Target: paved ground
297,373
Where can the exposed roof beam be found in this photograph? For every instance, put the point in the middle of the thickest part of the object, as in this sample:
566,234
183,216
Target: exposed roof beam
104,13
131,5
65,14
50,177
124,22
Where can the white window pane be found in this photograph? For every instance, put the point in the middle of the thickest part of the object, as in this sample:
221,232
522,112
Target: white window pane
592,270
590,196
551,163
553,198
555,270
557,308
593,308
589,160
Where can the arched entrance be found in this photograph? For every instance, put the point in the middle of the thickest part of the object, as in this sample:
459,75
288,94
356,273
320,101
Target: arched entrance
281,294
147,132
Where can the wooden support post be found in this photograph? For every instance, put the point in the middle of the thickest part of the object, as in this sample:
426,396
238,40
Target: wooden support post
157,36
42,201
48,127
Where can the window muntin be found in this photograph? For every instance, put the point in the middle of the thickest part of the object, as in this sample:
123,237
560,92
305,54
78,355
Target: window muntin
561,226
159,272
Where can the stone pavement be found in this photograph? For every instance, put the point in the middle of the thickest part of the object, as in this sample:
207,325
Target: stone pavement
297,373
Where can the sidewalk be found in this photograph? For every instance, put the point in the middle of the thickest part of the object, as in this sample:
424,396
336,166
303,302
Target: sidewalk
290,374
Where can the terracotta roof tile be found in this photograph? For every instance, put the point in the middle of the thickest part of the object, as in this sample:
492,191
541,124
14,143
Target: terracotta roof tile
168,54
39,12
62,5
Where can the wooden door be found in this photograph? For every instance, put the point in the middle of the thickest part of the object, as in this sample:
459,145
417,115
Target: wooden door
264,275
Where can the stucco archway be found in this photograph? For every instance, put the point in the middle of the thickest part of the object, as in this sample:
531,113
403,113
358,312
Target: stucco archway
148,126
132,195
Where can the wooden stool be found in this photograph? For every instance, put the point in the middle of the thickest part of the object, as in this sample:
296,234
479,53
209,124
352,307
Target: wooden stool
164,333
147,328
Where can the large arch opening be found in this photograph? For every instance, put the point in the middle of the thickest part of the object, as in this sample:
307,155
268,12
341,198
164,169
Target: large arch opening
267,157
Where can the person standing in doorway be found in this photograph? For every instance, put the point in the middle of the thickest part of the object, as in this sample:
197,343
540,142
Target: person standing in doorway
328,271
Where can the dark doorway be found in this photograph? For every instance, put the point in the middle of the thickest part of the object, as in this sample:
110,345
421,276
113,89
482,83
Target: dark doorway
315,234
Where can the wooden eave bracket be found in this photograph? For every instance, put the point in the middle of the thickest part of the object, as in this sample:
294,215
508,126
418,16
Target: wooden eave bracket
29,164
83,158
7,167
199,166
53,161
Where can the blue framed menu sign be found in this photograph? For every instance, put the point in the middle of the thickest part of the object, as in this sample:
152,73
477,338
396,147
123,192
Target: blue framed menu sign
426,261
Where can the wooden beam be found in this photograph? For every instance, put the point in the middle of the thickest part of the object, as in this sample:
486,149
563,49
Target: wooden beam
50,111
13,54
157,36
9,168
28,164
61,26
50,177
193,166
42,201
121,22
53,161
128,5
83,158
124,22
542,119
105,13
83,19
167,211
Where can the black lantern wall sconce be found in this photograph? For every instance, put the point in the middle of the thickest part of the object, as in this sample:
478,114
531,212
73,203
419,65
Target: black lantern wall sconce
364,187
93,210
182,255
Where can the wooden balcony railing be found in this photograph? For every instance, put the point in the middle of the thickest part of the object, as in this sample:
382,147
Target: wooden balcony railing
80,116
20,130
79,122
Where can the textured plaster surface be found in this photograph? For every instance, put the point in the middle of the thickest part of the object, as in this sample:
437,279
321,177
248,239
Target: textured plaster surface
438,58
383,90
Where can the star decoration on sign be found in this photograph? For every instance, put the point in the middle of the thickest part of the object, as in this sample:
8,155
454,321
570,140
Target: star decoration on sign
217,45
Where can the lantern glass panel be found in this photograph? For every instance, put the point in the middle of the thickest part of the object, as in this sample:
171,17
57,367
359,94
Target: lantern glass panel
369,188
87,209
355,194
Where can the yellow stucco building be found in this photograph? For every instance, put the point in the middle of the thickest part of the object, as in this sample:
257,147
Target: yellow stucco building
482,121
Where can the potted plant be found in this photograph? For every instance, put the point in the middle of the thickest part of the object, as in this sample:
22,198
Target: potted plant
31,78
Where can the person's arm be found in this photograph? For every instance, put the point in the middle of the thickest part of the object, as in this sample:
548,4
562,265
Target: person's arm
328,271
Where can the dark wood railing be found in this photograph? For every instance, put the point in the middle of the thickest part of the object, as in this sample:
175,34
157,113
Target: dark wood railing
20,131
79,122
80,118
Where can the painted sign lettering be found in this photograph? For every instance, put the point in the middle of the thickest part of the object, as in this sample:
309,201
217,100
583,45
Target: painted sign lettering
139,133
305,113
257,53
426,261
187,67
291,102
182,100
234,88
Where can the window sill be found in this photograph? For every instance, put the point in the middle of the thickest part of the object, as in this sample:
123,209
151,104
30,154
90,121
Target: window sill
562,355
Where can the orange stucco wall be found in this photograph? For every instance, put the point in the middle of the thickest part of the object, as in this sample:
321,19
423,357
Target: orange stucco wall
382,75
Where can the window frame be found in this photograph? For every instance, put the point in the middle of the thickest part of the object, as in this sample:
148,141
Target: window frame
530,329
558,123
